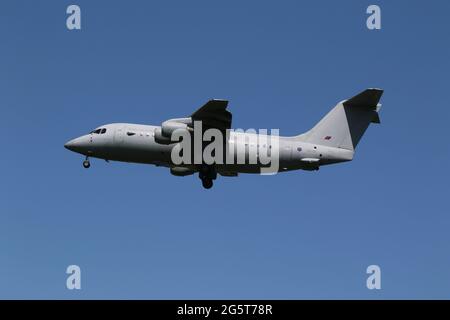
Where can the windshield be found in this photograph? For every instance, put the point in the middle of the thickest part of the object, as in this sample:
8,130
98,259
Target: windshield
98,131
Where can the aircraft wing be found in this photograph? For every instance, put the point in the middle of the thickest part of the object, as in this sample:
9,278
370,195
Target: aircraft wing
214,114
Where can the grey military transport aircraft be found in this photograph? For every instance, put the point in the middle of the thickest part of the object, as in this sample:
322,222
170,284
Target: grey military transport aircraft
332,140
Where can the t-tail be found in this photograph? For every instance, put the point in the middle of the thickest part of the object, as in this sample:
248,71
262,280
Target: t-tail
346,123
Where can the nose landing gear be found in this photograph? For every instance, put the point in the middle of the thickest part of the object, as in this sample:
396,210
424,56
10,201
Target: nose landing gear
86,163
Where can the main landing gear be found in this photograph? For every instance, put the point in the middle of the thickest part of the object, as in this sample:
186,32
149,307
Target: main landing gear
86,163
207,174
207,183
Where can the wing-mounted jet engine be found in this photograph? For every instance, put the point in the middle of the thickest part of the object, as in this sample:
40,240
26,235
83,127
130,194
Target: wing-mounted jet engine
164,133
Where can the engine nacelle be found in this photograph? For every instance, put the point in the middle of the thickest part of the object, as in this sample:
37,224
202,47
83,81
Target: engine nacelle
159,138
163,134
181,171
168,127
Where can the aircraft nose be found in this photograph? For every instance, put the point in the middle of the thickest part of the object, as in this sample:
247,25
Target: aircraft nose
76,145
71,144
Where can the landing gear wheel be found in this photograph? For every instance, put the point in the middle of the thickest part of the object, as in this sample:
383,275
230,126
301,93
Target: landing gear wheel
207,183
86,164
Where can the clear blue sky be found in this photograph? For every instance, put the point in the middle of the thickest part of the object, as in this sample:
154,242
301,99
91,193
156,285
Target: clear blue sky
138,232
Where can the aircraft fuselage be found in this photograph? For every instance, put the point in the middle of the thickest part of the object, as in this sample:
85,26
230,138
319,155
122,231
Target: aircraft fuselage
136,143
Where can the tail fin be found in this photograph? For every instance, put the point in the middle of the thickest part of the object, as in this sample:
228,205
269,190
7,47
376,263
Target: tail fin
346,123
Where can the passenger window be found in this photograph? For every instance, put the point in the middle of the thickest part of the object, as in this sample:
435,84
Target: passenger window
103,131
299,149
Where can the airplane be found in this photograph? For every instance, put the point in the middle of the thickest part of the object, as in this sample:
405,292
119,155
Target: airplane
332,140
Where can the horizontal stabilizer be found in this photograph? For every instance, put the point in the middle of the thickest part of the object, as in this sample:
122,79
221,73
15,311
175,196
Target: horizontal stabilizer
376,116
369,98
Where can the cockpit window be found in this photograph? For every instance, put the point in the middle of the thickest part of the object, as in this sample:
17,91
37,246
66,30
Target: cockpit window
99,131
131,133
